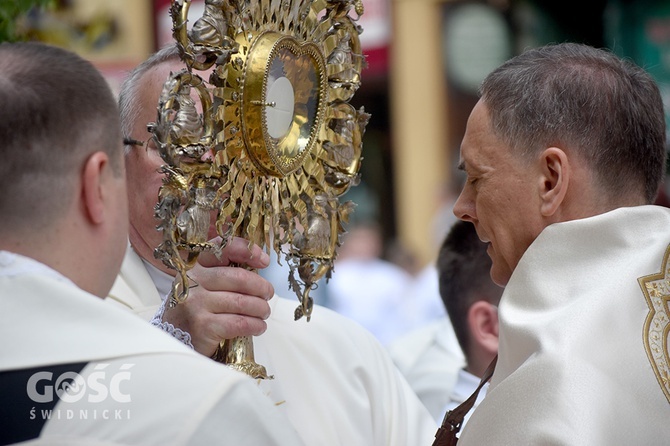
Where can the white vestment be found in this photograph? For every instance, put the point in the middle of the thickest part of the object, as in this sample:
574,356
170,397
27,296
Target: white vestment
132,385
332,378
430,359
372,292
573,366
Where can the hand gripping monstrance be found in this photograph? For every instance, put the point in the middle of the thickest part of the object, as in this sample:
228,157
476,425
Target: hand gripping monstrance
275,145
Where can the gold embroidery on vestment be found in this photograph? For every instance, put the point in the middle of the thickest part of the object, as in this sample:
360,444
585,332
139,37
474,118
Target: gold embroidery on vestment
656,290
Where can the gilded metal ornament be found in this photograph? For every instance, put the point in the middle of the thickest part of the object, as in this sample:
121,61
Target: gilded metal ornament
656,332
276,143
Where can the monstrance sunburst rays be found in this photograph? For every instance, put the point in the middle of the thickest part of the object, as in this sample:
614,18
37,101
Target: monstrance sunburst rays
283,141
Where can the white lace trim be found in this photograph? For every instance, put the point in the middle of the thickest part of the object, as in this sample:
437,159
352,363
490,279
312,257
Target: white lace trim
182,336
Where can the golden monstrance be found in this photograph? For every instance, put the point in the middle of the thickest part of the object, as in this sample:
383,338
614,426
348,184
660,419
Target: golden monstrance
275,145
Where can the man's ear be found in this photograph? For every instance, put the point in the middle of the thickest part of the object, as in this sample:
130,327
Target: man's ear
483,323
554,179
92,186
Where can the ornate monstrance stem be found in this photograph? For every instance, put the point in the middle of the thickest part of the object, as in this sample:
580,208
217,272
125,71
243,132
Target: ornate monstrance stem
239,354
284,142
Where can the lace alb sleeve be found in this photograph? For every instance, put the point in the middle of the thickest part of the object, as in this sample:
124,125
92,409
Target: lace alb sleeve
177,333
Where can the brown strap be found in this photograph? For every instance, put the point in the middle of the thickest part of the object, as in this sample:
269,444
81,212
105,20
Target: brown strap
453,419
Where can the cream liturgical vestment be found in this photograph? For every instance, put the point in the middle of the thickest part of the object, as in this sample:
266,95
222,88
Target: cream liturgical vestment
332,378
430,359
583,338
76,371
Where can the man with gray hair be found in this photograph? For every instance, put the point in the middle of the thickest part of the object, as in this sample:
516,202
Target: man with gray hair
564,154
74,370
333,379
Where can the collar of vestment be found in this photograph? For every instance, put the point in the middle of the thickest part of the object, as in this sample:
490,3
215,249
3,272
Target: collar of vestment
134,287
47,320
574,300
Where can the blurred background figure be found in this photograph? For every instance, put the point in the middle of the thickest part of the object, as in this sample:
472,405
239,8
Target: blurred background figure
443,361
369,289
424,291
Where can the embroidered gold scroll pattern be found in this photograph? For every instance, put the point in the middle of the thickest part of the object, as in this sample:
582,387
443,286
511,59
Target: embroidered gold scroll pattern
656,290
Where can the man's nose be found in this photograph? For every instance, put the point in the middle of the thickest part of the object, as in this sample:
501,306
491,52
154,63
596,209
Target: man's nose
464,208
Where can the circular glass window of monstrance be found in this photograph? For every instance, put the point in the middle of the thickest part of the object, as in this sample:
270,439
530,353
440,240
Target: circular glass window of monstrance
285,87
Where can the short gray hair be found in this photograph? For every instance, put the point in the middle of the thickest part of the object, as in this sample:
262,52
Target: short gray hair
129,106
605,108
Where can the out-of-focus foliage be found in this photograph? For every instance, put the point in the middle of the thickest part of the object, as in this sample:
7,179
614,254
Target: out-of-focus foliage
11,12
